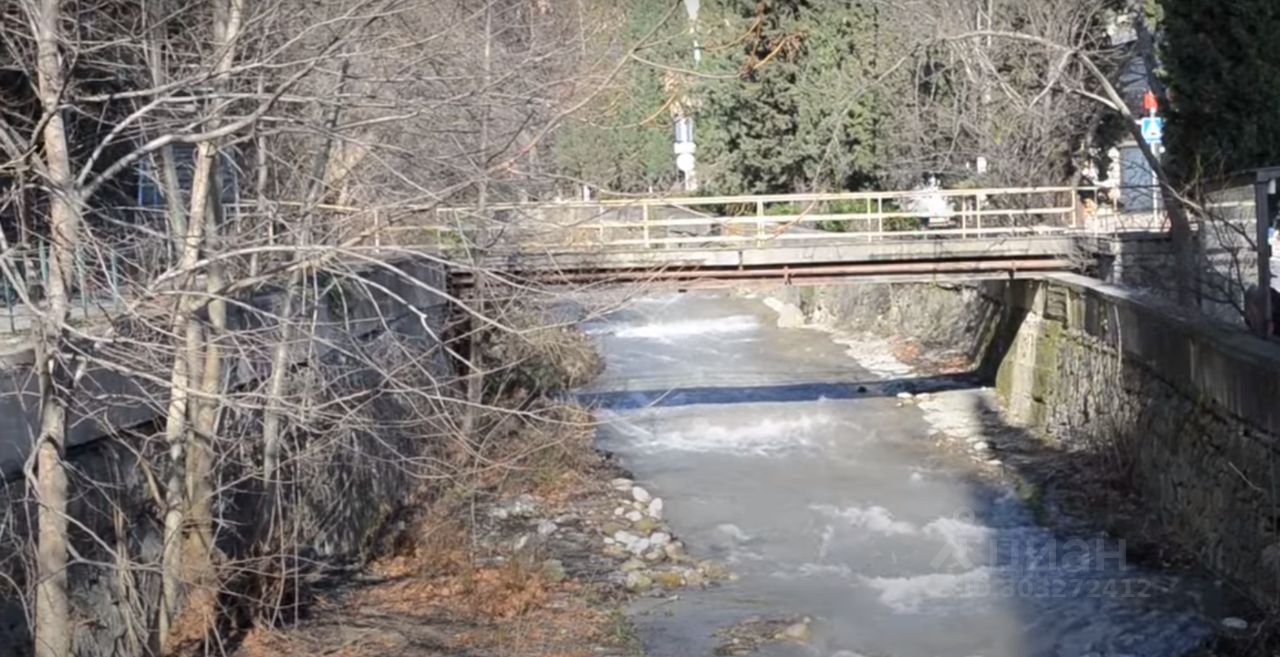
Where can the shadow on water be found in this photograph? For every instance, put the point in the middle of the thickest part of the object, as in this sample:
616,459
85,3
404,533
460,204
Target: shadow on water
791,392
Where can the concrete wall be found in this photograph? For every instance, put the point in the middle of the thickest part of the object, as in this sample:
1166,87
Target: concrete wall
118,521
1192,407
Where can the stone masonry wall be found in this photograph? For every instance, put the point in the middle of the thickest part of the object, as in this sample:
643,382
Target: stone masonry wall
957,318
1188,407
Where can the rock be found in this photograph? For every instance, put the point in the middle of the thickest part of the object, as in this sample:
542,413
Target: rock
655,508
981,446
798,632
616,551
619,512
862,390
639,547
714,571
660,539
675,551
647,525
905,395
499,513
640,495
1233,623
638,581
625,538
611,528
523,506
520,542
622,484
553,570
547,527
694,578
634,516
609,541
668,580
654,555
631,565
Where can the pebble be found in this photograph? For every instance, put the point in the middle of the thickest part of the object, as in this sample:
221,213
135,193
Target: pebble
905,395
799,632
634,516
615,551
982,446
669,580
638,581
655,508
547,527
625,538
618,512
640,547
646,525
675,551
1233,623
631,565
654,555
640,495
622,484
660,539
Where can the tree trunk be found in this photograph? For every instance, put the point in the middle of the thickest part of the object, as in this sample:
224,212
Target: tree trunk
52,613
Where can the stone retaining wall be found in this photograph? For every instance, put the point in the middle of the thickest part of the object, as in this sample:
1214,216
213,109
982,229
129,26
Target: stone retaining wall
1192,409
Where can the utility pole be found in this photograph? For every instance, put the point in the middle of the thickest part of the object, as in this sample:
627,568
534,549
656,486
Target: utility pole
685,148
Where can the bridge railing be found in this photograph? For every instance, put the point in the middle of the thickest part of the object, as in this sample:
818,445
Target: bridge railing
727,221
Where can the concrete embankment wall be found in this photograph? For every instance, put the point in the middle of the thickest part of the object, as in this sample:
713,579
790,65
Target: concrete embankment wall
1190,408
347,489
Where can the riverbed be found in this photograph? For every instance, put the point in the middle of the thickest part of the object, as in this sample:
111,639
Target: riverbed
812,465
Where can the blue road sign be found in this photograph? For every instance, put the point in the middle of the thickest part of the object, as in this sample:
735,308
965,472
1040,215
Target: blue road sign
1153,129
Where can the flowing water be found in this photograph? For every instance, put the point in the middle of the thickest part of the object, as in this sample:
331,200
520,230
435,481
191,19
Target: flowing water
779,455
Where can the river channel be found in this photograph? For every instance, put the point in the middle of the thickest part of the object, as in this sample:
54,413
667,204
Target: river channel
806,471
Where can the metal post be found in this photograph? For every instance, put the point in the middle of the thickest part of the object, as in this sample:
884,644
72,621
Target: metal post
1263,210
644,207
977,211
879,216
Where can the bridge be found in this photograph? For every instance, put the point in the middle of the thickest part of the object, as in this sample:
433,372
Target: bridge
695,241
969,233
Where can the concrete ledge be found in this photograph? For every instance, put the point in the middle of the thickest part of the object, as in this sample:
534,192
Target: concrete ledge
1235,370
777,254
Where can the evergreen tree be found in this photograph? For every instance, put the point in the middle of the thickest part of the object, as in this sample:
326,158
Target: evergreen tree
799,113
1224,78
623,141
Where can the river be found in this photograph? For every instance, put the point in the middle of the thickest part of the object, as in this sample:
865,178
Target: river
804,470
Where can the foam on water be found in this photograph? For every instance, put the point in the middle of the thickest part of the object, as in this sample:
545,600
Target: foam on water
965,539
876,519
769,436
908,595
666,330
